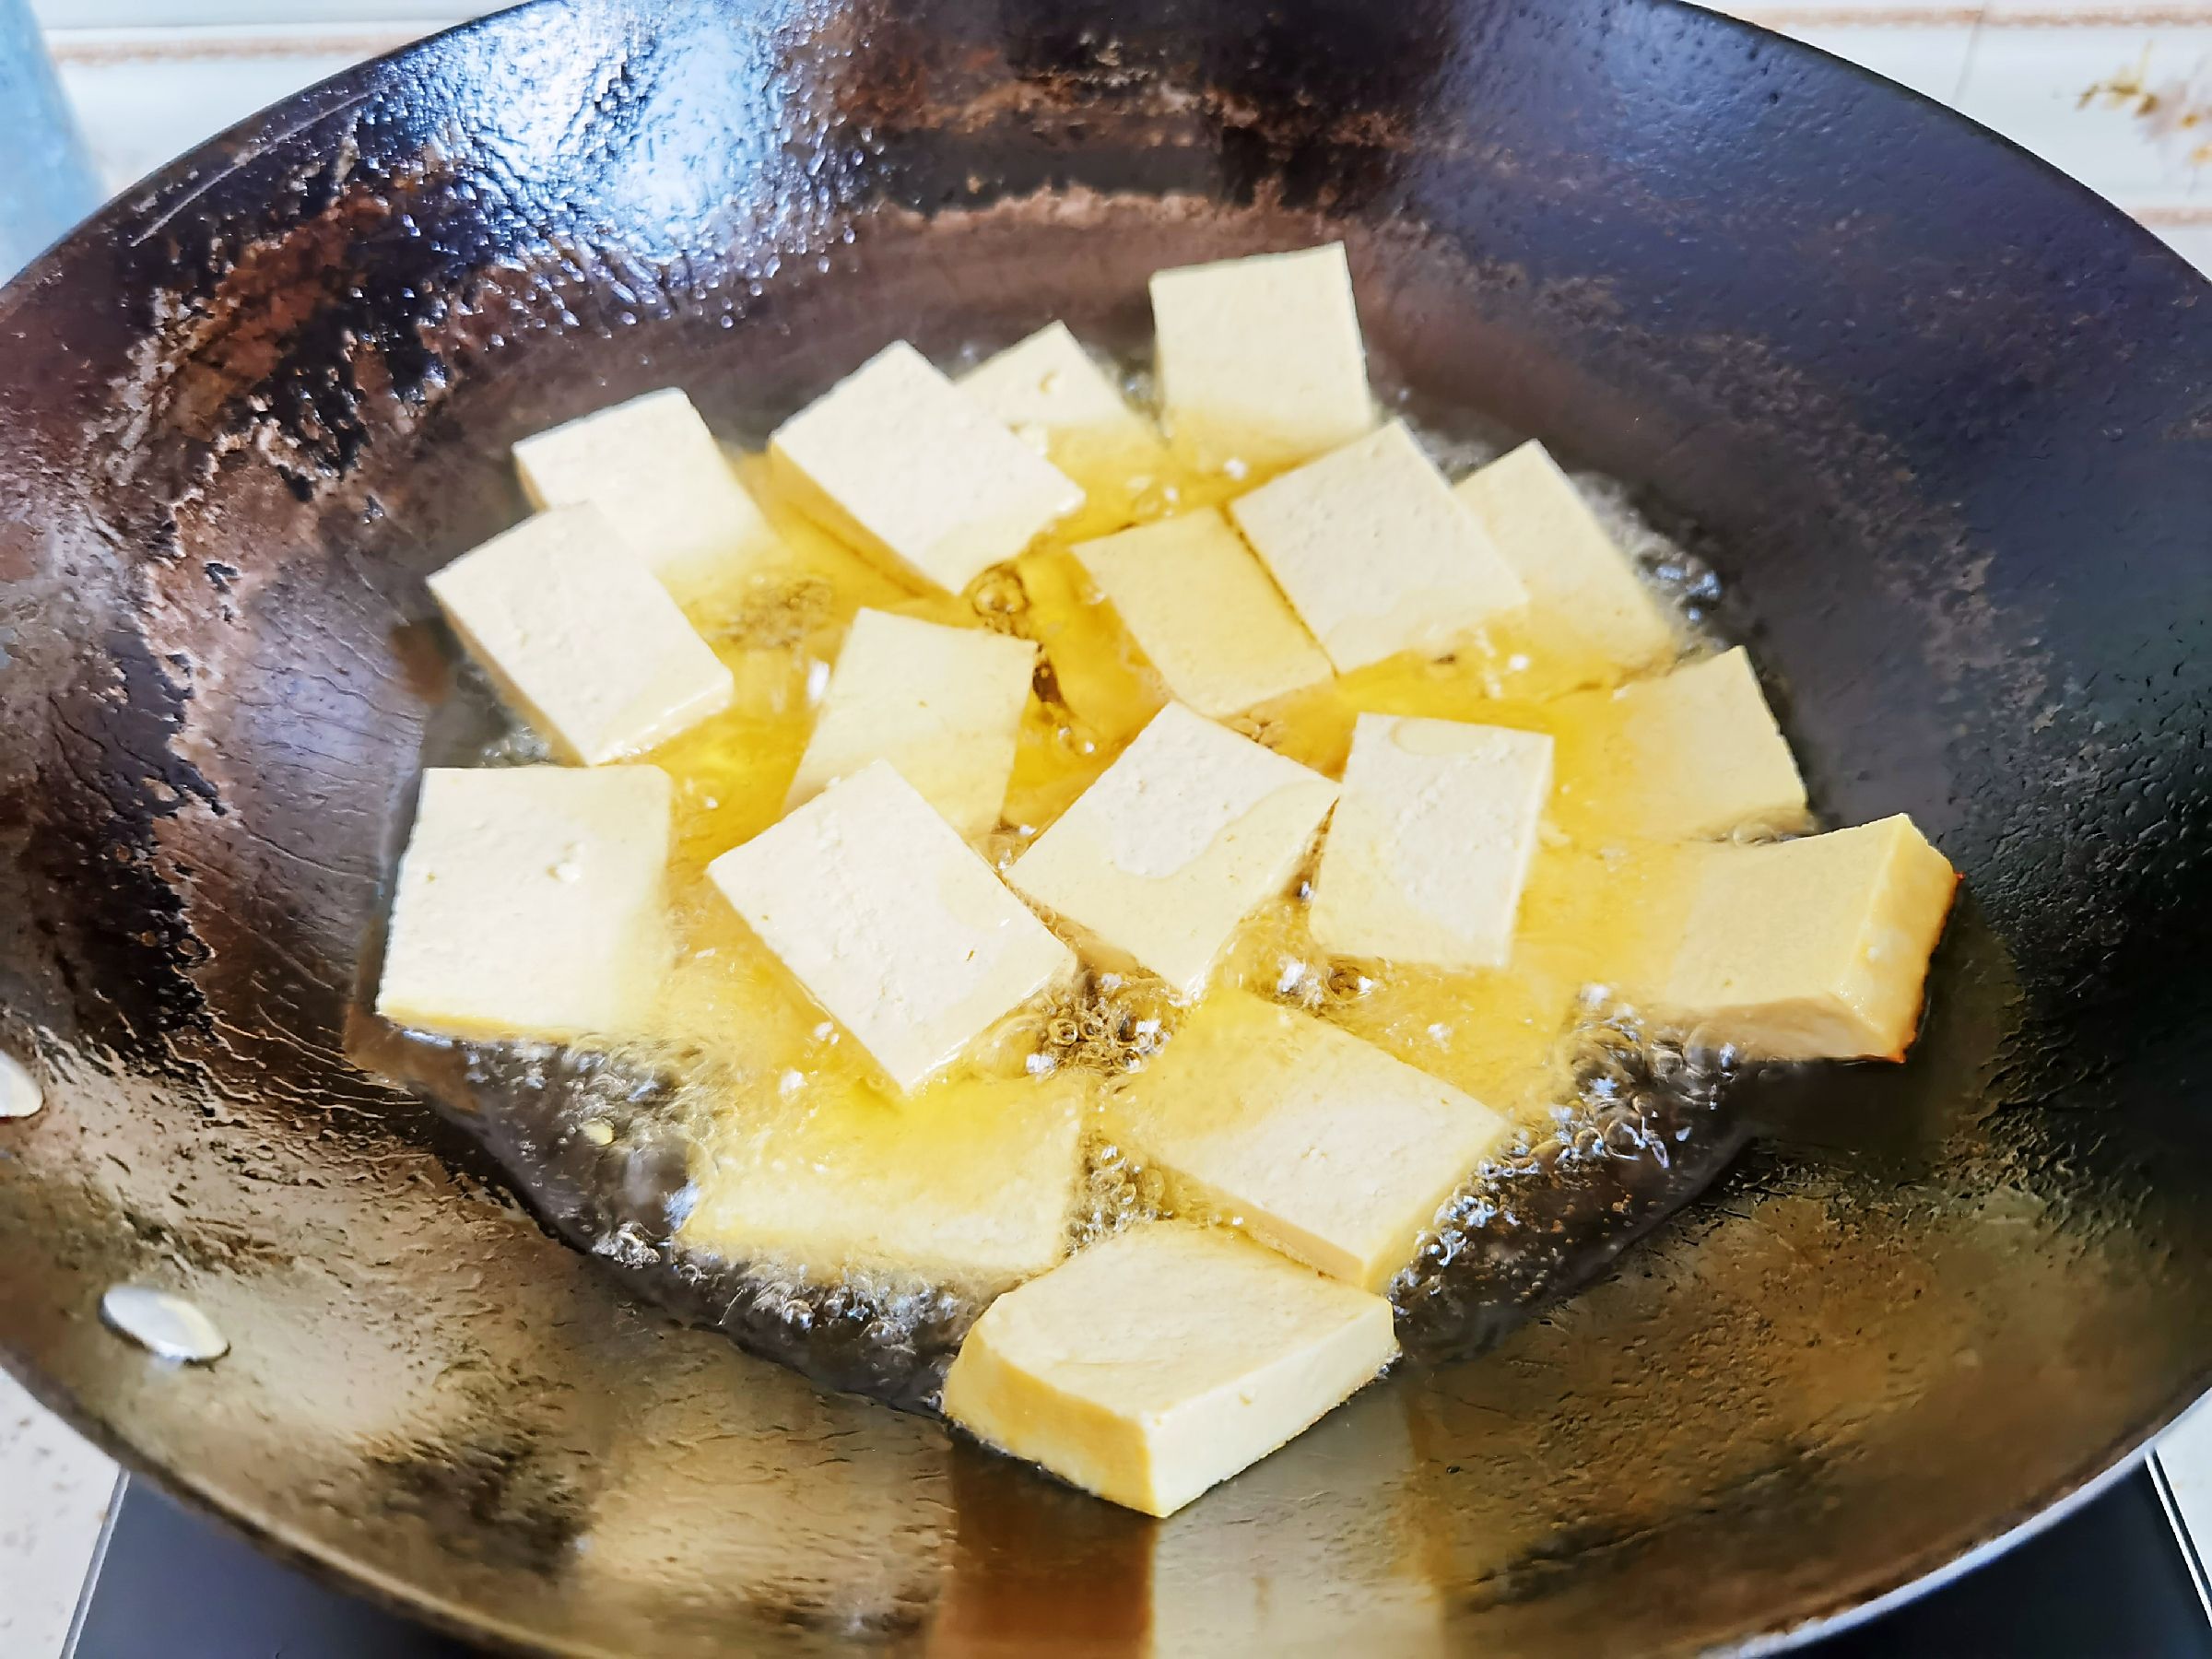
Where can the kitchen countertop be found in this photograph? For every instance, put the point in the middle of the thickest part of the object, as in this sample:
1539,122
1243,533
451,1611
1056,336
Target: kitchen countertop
2117,92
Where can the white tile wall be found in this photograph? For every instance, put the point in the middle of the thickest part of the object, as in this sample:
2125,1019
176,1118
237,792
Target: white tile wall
2117,91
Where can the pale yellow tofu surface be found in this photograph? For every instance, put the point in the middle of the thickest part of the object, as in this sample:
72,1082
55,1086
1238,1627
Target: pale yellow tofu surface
1057,399
581,639
1161,1361
970,1184
1197,602
1320,1144
890,921
1581,584
655,469
1816,948
1691,754
531,902
1259,360
1429,846
908,467
1375,553
1177,841
941,704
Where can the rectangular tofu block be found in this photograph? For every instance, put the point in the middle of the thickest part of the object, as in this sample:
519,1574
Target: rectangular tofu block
1057,399
1430,843
1322,1146
905,465
1162,1360
1260,359
970,1184
580,638
1200,606
531,902
890,921
1580,583
1376,553
1175,843
1813,949
655,469
1695,753
941,704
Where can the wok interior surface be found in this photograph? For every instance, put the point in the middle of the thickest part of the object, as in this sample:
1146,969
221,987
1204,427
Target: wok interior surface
1943,423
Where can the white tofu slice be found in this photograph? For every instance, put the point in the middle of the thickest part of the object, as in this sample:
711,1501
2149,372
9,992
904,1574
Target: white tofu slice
1162,1360
1260,359
1579,579
580,638
1197,602
900,462
890,921
1176,841
655,469
1431,841
531,902
1059,400
941,704
1320,1144
1695,753
1816,948
969,1185
1375,553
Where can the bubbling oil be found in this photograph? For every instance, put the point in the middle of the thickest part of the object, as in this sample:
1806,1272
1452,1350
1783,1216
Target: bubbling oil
630,1150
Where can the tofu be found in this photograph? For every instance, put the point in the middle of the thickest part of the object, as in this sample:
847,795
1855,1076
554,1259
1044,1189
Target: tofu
580,638
1260,359
900,463
1431,841
1200,608
1054,397
1581,584
942,705
1161,857
531,902
1693,754
1812,949
1375,553
890,922
970,1185
1162,1360
655,469
1318,1144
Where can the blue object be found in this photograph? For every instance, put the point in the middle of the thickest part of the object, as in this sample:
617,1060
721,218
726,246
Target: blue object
47,183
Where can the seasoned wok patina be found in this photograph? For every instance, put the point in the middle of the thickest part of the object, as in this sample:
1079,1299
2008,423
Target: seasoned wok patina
1943,422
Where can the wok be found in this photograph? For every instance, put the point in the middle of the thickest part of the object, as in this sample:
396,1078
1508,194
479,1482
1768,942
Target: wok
1941,419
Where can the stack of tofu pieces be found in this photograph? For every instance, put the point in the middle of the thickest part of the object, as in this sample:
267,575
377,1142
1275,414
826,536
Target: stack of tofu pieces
531,900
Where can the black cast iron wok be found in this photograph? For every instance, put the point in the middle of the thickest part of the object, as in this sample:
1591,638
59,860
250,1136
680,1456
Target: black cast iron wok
1942,419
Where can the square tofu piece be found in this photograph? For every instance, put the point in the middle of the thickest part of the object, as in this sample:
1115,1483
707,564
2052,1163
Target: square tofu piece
1579,579
969,1185
1813,949
1056,399
890,921
1193,596
656,472
906,466
1175,843
1260,359
1376,553
581,639
1697,753
1162,1360
941,704
1322,1146
1430,845
531,902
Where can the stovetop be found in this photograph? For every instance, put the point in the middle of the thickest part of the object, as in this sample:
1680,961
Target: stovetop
2108,1578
